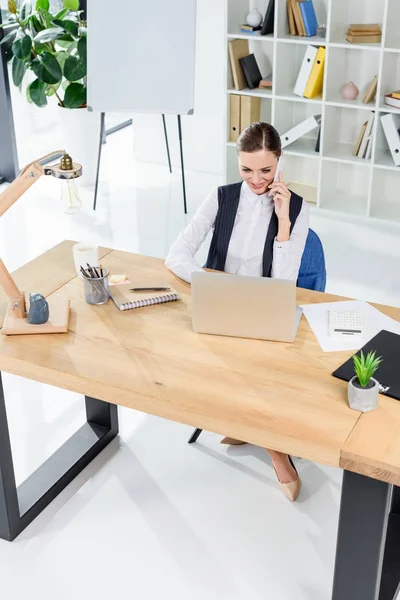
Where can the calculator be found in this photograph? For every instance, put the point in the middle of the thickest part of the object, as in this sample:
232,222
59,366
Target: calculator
345,323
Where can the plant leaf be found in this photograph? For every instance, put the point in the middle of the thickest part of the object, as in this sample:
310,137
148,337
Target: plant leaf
50,90
36,92
48,35
9,37
62,13
22,47
18,70
82,48
74,69
35,25
9,54
12,7
61,57
46,18
71,4
28,95
75,95
67,25
25,10
45,4
47,68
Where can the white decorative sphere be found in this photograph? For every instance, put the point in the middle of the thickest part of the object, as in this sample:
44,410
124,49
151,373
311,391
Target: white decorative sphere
254,18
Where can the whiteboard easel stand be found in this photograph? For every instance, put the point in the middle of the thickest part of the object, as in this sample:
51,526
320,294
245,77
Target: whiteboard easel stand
102,139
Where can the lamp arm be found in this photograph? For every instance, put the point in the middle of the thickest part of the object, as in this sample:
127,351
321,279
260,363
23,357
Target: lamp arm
25,180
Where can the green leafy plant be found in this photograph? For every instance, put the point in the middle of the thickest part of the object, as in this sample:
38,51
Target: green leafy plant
53,47
365,367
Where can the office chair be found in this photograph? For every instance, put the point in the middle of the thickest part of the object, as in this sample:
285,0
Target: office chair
312,276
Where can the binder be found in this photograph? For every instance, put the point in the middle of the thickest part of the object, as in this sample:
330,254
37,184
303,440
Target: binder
367,135
299,130
309,18
234,123
249,111
317,145
237,50
391,126
305,70
316,79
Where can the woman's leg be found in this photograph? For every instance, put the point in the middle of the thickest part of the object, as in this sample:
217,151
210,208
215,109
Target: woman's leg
285,472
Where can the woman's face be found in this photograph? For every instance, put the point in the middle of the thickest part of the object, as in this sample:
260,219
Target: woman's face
258,169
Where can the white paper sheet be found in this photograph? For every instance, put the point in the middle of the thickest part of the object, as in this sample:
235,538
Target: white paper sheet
317,316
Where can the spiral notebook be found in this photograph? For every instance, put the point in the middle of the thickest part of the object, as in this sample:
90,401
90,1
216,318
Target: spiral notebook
124,299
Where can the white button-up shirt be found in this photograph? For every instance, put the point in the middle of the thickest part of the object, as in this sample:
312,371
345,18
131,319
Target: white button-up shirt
246,246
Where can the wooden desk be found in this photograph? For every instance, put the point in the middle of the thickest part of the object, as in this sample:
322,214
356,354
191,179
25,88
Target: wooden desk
277,395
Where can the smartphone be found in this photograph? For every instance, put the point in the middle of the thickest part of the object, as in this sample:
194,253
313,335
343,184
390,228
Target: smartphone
279,169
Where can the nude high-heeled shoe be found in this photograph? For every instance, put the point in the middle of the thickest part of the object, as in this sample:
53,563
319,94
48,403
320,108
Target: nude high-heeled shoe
231,441
292,489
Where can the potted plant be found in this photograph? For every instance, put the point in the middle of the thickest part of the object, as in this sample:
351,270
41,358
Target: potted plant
47,53
363,389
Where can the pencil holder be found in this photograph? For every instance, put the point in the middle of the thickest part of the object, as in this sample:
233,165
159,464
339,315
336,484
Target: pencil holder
96,288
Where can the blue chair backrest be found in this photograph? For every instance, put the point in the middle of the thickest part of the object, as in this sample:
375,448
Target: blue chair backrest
312,272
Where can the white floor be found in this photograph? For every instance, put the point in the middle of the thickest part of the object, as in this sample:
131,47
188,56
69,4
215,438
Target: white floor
153,517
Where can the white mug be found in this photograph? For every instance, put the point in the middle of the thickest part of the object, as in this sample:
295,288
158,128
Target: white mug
84,254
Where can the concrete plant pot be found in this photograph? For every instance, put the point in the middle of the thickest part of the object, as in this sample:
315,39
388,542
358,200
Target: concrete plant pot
363,399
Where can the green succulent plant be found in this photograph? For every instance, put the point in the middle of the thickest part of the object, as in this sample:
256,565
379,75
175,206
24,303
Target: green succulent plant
365,367
52,46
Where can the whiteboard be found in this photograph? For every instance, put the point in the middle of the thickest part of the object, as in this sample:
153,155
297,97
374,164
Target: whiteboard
141,56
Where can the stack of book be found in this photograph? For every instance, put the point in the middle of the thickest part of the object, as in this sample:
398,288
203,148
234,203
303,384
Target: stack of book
393,99
311,75
363,147
364,33
301,17
249,29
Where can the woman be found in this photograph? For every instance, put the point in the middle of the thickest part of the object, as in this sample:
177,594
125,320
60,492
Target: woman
259,228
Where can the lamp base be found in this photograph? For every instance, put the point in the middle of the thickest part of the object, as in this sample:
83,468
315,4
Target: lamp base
57,323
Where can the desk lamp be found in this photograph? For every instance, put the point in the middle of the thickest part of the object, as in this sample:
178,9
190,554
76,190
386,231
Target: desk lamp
15,321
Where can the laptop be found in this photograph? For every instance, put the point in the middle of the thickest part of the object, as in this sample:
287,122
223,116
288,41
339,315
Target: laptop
241,306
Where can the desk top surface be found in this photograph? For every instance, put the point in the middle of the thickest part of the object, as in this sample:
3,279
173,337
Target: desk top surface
278,395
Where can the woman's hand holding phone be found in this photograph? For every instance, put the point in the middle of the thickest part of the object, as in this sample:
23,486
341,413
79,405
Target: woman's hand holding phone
281,197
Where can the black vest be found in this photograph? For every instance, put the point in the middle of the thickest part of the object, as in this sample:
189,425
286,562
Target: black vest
228,202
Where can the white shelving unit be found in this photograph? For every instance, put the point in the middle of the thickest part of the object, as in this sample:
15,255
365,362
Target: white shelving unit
333,179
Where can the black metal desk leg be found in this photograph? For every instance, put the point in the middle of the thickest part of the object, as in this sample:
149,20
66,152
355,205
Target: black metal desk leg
20,506
362,554
101,141
193,438
182,165
167,144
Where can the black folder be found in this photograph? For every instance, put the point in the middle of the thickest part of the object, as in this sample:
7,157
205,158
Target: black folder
387,345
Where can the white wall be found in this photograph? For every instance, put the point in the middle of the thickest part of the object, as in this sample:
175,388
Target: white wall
204,133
